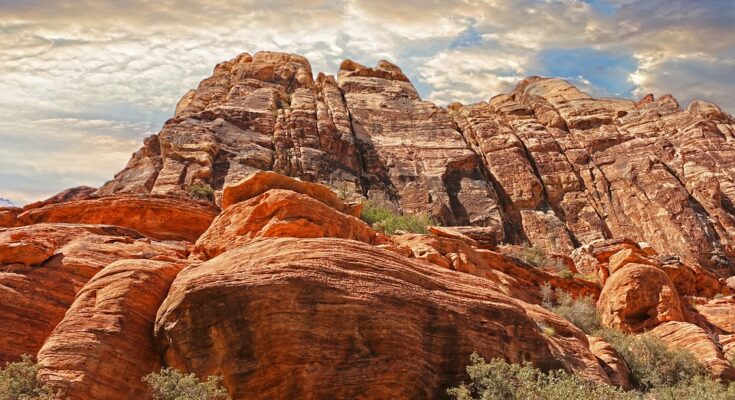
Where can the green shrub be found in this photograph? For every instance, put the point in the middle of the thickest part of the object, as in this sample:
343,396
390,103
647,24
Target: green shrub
386,220
580,311
201,191
18,381
170,384
566,274
534,256
652,364
696,388
498,380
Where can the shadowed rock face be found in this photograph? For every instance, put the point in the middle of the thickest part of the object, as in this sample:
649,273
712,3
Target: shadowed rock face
278,286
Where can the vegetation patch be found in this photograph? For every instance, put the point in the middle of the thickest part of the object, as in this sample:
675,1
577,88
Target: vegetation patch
170,384
382,218
499,380
18,381
580,311
201,191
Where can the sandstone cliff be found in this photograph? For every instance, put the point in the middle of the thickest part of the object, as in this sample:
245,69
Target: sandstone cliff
275,283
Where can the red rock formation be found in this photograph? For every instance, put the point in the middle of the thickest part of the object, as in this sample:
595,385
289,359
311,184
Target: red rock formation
611,362
263,181
639,297
686,336
44,266
103,347
344,319
279,213
166,218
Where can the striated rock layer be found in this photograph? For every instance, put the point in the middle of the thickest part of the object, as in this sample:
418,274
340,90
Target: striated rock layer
343,319
545,164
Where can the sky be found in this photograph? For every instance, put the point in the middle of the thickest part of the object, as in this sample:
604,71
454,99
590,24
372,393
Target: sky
83,82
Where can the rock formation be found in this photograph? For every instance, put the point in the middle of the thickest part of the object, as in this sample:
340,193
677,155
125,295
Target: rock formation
231,244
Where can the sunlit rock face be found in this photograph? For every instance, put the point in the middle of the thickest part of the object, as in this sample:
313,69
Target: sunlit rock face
231,244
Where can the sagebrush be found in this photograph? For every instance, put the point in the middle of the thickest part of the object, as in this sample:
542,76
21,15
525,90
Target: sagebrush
499,380
18,381
171,384
382,218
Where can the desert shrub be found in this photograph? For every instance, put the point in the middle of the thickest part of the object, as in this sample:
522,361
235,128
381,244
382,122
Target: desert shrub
580,311
566,274
18,381
652,364
201,191
170,384
696,388
499,380
386,220
534,256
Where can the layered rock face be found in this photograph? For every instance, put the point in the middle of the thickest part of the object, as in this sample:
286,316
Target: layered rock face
275,283
545,164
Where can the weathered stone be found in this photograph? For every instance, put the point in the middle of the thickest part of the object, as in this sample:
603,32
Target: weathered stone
166,218
279,213
104,345
44,266
611,361
686,336
638,297
263,181
344,319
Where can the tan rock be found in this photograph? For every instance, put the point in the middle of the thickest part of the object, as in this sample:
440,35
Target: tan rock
104,346
638,297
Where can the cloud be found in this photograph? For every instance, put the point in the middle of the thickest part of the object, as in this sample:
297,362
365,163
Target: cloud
94,77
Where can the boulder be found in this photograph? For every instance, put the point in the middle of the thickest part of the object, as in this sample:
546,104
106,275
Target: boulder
45,265
638,297
104,345
279,213
344,319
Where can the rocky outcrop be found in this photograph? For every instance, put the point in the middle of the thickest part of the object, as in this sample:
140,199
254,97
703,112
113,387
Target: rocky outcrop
689,337
345,319
279,213
611,361
639,297
166,218
545,164
103,347
263,181
45,265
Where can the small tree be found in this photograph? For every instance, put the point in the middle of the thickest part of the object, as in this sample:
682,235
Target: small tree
201,191
18,381
170,384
